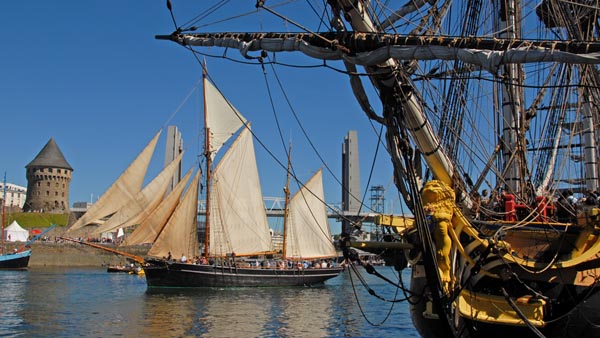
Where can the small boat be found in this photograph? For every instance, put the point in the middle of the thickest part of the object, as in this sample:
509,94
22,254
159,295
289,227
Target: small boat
120,269
19,258
15,260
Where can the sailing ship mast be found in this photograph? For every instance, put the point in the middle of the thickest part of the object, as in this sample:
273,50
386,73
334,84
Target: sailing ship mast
3,211
513,118
286,209
208,157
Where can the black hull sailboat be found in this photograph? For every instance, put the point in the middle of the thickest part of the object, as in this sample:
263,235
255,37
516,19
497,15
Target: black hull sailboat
236,222
160,273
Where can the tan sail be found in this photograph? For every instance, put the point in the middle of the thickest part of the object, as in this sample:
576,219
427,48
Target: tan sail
222,119
122,190
307,227
144,201
180,234
238,218
152,225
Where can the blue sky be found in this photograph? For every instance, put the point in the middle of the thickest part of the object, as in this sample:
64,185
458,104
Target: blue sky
91,75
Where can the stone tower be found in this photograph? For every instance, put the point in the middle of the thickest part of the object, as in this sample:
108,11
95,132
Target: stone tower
48,179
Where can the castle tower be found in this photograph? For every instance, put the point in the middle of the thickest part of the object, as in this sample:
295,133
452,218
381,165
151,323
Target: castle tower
48,179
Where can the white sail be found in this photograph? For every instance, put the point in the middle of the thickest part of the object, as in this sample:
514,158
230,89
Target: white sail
222,119
307,227
151,226
238,221
144,201
122,190
180,234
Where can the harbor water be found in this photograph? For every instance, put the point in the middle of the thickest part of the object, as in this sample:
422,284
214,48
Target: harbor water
74,302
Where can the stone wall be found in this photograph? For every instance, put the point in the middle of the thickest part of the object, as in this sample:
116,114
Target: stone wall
75,254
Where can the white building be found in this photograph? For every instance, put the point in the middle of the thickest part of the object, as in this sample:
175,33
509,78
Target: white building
15,195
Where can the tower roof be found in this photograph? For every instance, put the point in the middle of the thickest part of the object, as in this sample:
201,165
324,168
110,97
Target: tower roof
50,157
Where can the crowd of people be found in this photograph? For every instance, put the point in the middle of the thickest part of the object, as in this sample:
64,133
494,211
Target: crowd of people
254,263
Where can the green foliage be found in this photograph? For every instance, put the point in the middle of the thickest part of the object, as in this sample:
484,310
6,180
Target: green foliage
37,219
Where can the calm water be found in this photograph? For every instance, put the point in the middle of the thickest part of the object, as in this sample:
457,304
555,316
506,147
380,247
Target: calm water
90,302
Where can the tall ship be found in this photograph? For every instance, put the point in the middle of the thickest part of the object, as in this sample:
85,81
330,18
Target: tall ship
489,111
237,249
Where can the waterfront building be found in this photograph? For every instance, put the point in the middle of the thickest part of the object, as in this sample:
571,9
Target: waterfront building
48,179
15,195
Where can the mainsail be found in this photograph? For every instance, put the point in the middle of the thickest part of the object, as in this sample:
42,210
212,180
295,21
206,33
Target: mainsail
123,190
144,202
238,218
151,226
307,228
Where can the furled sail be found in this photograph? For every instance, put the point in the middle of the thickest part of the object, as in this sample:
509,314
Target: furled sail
144,201
122,190
382,47
180,234
151,226
238,218
222,119
307,227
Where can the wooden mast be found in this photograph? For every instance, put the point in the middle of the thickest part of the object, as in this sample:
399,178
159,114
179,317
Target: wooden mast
208,157
3,211
286,209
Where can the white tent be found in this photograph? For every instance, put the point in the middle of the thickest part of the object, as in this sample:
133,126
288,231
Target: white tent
14,233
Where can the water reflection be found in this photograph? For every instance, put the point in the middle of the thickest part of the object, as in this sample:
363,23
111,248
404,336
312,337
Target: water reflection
73,302
166,314
12,289
306,312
